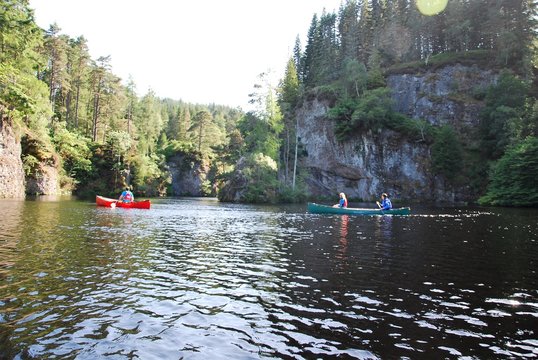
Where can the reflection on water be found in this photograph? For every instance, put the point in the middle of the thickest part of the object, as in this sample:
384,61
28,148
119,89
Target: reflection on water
200,279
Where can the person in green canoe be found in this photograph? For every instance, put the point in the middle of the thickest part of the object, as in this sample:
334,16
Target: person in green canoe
385,204
343,201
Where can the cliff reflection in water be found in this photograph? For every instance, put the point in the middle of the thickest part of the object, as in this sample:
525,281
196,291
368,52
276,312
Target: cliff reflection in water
201,279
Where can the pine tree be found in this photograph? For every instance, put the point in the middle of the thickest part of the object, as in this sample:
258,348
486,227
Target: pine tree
288,97
78,71
186,124
149,123
365,32
56,75
99,84
297,57
348,30
310,54
200,124
132,100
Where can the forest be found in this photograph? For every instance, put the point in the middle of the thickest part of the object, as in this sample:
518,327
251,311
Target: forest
73,113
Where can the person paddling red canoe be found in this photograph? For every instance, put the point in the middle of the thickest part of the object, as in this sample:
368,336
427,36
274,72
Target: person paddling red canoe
126,196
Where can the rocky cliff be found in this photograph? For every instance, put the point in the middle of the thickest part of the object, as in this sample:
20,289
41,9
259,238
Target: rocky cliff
44,181
12,183
188,175
375,162
443,96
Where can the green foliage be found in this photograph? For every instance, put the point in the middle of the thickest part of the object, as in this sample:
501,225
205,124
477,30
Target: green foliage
375,72
23,97
184,147
30,164
289,87
470,57
355,78
394,35
40,147
12,95
342,113
514,181
74,149
319,63
19,35
323,92
260,172
100,129
509,91
371,111
232,151
417,130
119,142
148,176
447,153
529,125
287,194
501,119
102,178
259,135
499,130
204,130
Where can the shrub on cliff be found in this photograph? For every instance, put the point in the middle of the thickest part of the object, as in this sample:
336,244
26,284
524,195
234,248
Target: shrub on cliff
254,180
371,111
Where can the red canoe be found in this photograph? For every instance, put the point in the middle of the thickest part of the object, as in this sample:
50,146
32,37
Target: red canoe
103,201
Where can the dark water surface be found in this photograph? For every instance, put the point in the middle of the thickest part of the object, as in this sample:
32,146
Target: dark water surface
197,279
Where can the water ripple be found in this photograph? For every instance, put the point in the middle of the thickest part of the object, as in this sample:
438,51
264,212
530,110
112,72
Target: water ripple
199,279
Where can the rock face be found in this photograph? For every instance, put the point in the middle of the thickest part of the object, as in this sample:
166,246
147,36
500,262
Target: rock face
188,175
374,162
443,96
364,166
44,182
234,189
11,171
13,182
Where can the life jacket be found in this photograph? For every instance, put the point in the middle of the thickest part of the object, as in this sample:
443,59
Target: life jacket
344,205
128,196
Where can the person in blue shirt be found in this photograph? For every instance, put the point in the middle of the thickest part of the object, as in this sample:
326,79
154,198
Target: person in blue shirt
343,201
126,196
385,204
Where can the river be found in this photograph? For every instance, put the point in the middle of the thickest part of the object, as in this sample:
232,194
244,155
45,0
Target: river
199,279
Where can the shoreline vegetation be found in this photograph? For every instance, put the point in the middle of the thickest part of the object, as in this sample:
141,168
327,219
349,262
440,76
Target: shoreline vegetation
72,114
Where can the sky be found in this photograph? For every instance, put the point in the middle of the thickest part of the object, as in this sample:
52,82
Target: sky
198,51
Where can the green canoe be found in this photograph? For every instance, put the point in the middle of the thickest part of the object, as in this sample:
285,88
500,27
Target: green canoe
325,209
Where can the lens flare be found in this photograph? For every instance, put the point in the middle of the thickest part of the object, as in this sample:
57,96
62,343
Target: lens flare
431,7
